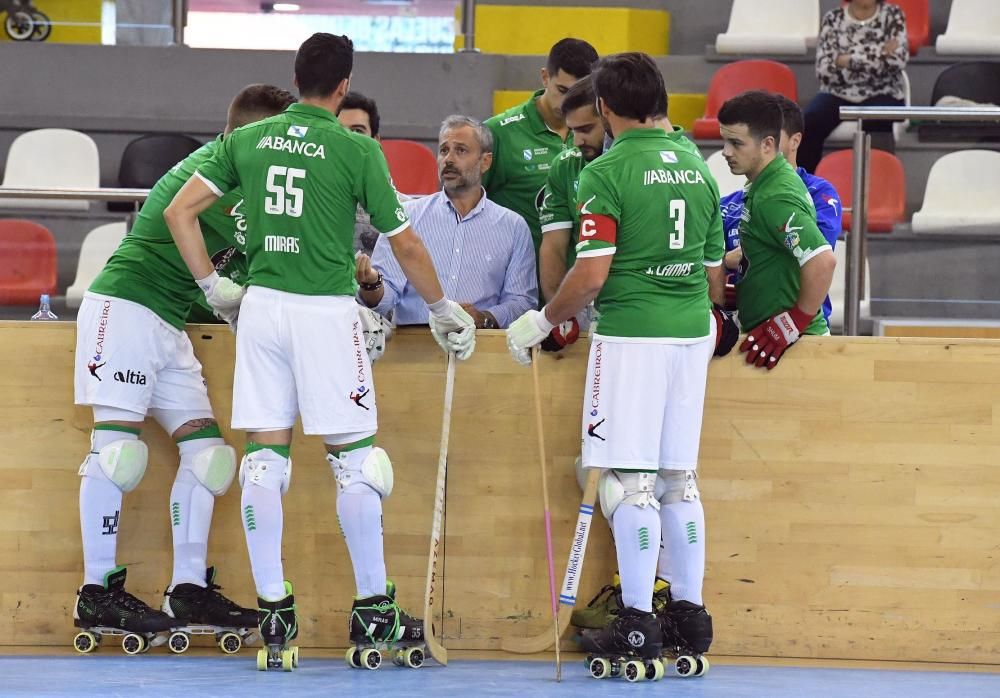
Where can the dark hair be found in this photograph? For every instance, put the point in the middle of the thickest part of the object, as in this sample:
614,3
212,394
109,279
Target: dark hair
758,110
256,102
356,100
322,62
580,94
630,85
573,56
792,121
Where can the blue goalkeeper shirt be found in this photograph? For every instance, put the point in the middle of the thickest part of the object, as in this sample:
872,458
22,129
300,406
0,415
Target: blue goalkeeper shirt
829,218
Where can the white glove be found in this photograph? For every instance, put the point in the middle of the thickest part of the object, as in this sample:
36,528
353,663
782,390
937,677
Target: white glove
453,328
377,331
525,332
224,295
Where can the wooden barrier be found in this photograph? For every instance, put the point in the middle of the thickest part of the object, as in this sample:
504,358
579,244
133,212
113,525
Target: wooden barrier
851,497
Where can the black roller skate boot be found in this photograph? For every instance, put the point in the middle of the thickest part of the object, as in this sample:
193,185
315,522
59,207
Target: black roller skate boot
278,625
687,635
629,646
378,623
202,610
103,610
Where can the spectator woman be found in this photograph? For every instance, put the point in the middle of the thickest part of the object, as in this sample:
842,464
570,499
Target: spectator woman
860,58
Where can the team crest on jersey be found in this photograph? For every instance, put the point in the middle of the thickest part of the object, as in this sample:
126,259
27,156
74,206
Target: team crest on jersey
527,153
297,131
668,157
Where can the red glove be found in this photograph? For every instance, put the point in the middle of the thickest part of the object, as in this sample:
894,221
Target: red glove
562,335
726,331
768,341
730,302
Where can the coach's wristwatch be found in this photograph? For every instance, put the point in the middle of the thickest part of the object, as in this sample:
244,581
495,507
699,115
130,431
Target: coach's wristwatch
489,322
373,286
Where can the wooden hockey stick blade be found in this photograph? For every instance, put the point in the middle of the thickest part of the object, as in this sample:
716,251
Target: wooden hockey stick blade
436,649
574,568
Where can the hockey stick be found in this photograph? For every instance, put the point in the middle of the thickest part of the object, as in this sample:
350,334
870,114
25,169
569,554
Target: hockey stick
574,569
436,649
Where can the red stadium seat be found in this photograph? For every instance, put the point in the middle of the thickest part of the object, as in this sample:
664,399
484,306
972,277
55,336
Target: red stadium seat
887,197
918,22
734,78
27,262
413,166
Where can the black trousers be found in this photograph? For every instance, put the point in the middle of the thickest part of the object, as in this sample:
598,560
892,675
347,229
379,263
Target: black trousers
822,116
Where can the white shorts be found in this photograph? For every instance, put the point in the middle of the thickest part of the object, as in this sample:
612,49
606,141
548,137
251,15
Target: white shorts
128,357
643,404
302,355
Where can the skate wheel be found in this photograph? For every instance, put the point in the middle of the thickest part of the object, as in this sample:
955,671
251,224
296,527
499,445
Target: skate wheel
414,657
702,667
230,643
655,670
634,670
132,643
398,659
353,657
85,642
286,660
146,645
262,659
178,642
685,666
371,659
600,668
295,657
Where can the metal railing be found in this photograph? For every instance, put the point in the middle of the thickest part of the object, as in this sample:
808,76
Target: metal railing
862,153
74,194
468,28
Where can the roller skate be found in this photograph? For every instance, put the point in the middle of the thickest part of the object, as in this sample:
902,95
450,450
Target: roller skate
603,608
687,635
204,611
278,625
109,610
378,623
630,647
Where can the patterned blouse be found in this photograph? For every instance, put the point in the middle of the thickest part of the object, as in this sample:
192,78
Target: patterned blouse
869,73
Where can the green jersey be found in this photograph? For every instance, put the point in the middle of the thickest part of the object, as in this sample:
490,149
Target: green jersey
523,151
303,175
778,234
651,202
147,268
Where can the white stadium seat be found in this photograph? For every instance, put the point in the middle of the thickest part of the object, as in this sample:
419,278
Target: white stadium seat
97,248
973,29
771,27
838,290
961,194
728,182
846,130
51,158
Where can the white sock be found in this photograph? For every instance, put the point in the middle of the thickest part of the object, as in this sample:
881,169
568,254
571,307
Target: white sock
682,562
359,509
100,511
191,507
637,534
263,519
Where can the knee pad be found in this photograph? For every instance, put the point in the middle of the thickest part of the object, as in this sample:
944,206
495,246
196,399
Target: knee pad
674,486
629,487
266,469
375,471
123,462
214,467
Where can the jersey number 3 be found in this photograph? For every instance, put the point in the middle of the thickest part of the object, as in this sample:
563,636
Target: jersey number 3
287,199
678,209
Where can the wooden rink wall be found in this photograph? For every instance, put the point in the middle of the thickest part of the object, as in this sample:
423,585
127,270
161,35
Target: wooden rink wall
851,497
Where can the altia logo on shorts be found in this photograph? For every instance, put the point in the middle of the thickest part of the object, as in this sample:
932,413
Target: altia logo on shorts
131,377
636,639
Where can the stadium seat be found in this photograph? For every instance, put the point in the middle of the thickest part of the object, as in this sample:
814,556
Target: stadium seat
976,81
973,29
412,166
961,194
734,78
51,158
887,197
148,158
27,262
97,248
771,27
838,290
918,22
728,182
846,130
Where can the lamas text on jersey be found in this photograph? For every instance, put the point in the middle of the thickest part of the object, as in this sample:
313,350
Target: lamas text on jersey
661,176
296,147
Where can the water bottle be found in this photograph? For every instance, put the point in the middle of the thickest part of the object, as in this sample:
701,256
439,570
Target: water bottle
44,313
